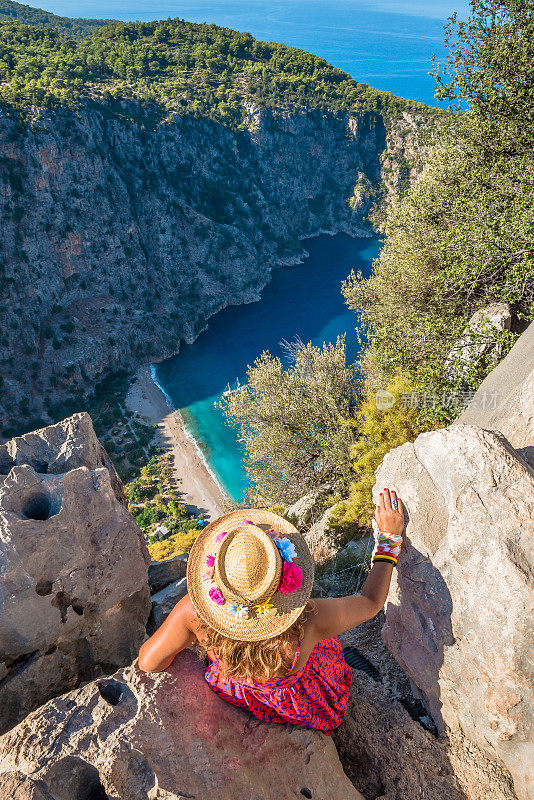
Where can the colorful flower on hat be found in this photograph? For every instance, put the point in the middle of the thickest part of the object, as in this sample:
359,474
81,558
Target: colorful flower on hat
210,560
291,578
220,536
207,575
273,534
265,607
216,595
238,611
286,548
249,521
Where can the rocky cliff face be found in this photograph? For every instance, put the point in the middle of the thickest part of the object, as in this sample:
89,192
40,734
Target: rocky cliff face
460,607
459,612
122,235
74,599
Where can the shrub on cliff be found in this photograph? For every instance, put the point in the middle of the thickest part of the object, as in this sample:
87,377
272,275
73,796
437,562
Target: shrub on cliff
173,545
382,423
463,237
292,421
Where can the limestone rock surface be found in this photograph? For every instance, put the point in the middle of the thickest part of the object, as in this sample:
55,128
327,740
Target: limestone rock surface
319,539
59,448
163,603
478,339
308,508
74,597
17,786
167,737
390,756
161,573
505,399
460,609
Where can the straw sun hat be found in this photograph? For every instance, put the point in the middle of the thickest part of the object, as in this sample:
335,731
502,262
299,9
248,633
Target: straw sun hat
249,574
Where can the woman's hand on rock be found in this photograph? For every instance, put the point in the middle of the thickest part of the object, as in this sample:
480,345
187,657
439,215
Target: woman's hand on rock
389,519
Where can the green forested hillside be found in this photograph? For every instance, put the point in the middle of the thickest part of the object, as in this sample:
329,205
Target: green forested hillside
196,69
11,11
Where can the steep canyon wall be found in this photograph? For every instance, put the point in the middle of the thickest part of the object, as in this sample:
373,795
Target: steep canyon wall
121,234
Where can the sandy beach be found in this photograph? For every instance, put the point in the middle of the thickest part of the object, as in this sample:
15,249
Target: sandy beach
199,489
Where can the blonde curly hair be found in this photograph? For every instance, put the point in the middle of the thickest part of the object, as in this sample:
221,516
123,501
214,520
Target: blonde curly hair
254,660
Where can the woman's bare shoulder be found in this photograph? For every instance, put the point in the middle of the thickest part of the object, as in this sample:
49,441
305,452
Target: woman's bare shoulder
190,615
313,614
323,616
315,609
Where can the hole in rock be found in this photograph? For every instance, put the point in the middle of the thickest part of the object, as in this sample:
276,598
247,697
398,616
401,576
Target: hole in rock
72,778
62,602
38,507
77,605
94,792
43,588
306,793
110,691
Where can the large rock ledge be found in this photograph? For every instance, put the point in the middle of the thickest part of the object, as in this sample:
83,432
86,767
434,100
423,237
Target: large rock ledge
460,608
74,597
168,737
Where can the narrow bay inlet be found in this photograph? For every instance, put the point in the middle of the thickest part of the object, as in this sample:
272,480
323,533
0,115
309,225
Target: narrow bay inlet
303,301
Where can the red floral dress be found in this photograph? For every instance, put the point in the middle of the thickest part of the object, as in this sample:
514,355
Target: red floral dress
314,697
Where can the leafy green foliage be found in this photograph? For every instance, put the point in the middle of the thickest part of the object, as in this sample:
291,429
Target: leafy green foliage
11,11
153,501
291,421
463,237
181,66
377,431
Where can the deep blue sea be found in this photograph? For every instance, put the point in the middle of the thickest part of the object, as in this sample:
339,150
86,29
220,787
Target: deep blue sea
387,44
303,300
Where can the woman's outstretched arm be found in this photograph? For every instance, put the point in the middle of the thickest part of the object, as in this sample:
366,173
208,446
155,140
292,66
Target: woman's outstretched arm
173,635
336,615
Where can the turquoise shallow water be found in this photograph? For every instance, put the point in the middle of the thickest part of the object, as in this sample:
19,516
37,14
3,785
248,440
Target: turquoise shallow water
304,300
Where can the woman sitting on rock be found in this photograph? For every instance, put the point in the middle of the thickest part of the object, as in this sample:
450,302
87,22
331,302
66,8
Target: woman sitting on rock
271,649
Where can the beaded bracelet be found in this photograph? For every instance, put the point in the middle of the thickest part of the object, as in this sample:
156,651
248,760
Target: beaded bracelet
388,547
